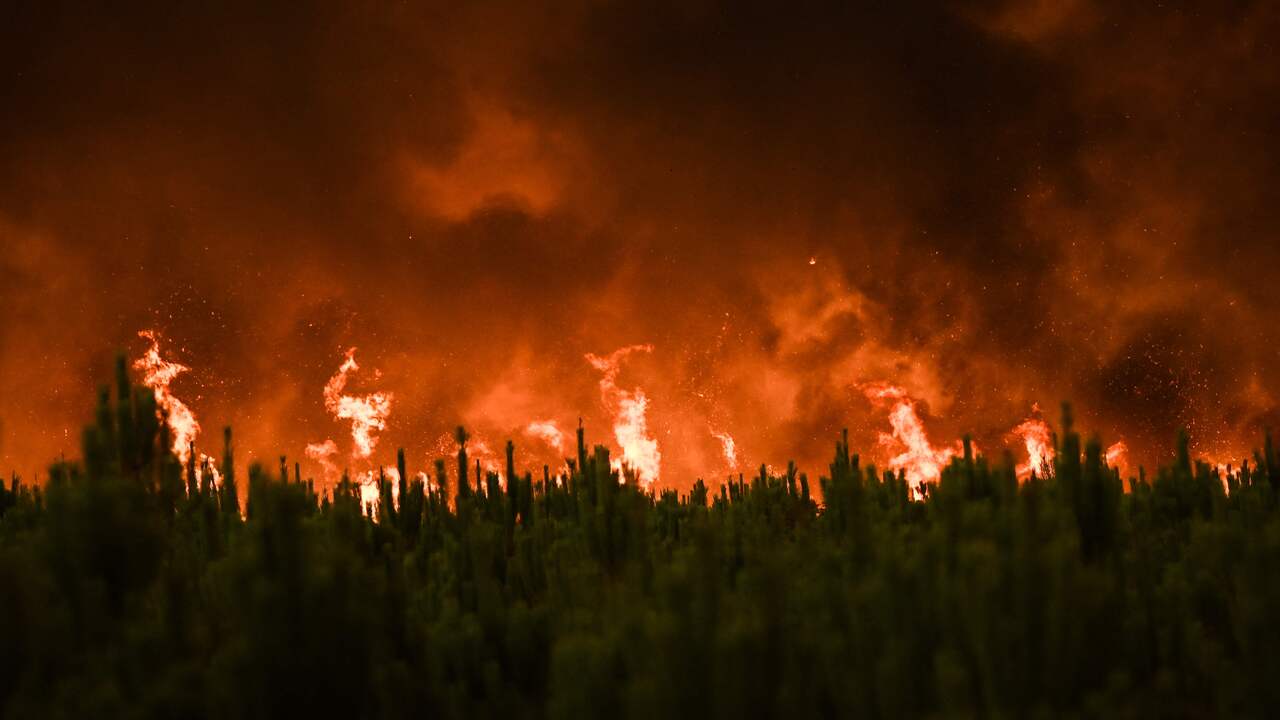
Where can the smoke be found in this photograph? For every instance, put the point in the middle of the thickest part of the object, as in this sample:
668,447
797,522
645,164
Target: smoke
549,432
987,204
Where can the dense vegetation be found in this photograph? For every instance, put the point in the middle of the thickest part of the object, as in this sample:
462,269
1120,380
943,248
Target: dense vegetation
129,588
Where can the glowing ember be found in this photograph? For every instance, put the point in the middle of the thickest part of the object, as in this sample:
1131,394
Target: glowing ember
630,428
919,460
367,413
1038,439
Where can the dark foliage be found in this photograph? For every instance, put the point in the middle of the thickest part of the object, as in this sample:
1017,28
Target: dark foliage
131,586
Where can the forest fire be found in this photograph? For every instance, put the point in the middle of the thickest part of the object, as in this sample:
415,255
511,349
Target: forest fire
907,448
709,359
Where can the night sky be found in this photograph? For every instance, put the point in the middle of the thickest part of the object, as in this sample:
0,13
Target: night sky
986,204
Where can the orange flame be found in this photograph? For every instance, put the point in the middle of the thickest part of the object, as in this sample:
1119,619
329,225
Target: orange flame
919,460
370,492
1117,453
158,374
1038,439
729,447
630,428
367,413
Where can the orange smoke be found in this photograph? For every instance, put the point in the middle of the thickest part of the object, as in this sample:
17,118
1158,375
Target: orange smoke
630,427
367,413
323,453
549,432
919,460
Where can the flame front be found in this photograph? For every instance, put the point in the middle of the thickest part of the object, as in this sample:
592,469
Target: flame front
630,426
367,413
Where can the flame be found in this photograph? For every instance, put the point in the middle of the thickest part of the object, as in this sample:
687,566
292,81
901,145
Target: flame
371,493
729,447
158,374
920,461
367,413
1117,453
630,427
206,466
1038,439
549,432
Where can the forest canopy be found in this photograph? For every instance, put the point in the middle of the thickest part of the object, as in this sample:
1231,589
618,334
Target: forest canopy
134,586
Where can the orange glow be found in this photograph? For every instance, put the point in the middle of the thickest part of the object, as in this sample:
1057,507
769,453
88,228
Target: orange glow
538,186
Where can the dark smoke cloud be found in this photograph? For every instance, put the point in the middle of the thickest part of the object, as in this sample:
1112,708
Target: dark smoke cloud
1005,203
